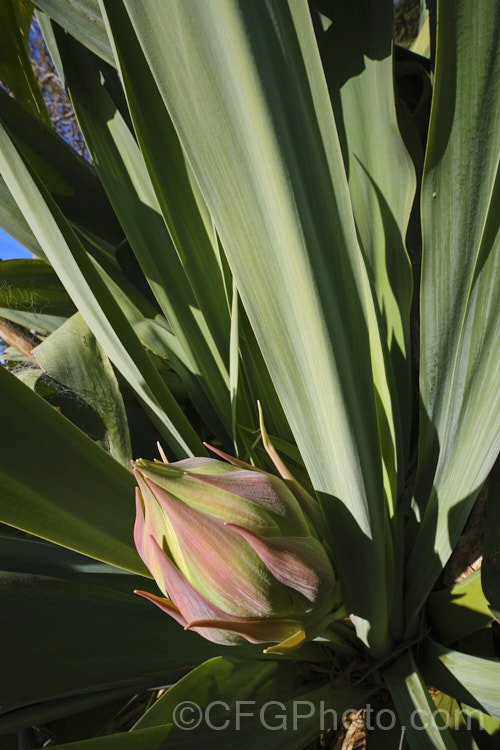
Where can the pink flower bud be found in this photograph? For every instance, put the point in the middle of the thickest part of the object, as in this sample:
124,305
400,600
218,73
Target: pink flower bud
233,552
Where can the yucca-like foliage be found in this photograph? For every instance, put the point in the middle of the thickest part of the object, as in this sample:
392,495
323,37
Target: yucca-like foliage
283,207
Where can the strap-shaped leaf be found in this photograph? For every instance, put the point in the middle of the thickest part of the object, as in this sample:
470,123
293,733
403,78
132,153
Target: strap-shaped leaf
110,638
16,71
458,611
32,321
14,223
73,358
424,726
71,181
89,293
490,568
289,722
230,681
466,724
470,679
54,478
357,57
152,330
245,89
121,168
460,304
171,176
32,286
46,711
23,554
83,20
62,608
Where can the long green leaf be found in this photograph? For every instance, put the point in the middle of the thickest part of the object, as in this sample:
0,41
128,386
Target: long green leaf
466,724
23,554
124,175
53,481
460,304
83,20
490,568
102,314
36,714
357,57
422,44
154,333
32,321
262,142
258,384
227,680
16,71
470,679
286,723
73,358
71,181
32,286
14,223
171,175
424,726
458,611
110,639
62,608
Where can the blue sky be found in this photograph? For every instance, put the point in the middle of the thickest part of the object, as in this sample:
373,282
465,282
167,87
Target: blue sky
9,248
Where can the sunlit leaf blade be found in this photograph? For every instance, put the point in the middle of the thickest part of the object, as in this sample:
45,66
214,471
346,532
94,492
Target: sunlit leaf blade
490,568
73,358
171,176
424,727
32,286
10,353
71,180
485,729
357,57
83,20
460,304
458,611
122,170
53,481
466,724
32,321
104,317
267,158
16,71
470,679
14,223
154,333
422,44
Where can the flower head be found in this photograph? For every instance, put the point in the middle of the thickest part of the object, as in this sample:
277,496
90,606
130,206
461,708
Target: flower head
233,552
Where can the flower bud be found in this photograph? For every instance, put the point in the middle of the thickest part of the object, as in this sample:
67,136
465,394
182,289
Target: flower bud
233,552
